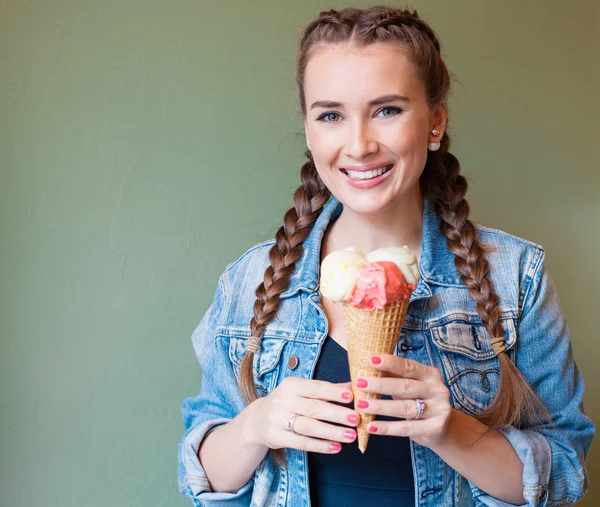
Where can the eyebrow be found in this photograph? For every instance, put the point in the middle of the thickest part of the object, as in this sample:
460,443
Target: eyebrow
385,99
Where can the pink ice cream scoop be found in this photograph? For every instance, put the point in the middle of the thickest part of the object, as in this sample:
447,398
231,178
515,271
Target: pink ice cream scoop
378,285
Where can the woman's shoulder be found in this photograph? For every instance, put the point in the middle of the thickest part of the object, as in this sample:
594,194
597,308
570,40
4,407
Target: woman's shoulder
253,258
497,236
245,273
515,263
508,252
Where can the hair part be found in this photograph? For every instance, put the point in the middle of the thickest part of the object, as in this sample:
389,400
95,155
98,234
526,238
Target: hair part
515,403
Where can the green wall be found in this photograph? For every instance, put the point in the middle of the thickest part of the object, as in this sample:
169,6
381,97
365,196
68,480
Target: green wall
144,144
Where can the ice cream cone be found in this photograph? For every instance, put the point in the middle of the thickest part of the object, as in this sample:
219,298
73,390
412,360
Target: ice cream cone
369,333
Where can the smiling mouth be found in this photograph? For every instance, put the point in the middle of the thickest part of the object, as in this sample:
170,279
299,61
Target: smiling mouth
367,175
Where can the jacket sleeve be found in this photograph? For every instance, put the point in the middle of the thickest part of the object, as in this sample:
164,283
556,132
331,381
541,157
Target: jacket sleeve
219,401
553,456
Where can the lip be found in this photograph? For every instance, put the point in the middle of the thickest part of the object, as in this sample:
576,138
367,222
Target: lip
373,182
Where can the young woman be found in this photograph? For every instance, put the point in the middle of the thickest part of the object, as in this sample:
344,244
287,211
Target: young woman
484,346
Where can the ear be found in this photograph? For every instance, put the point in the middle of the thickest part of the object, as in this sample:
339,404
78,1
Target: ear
439,118
306,134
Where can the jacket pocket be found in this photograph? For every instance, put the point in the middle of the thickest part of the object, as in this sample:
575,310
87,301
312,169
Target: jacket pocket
470,365
265,364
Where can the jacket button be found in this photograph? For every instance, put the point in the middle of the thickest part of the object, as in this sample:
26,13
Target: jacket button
293,362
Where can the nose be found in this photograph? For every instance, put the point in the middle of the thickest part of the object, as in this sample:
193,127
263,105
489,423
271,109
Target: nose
361,141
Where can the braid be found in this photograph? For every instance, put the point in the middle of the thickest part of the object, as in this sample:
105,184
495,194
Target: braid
309,200
388,21
516,403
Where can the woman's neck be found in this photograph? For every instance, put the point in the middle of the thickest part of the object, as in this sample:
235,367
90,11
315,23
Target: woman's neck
396,226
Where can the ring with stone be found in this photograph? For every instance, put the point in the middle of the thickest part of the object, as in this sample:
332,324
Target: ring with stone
420,407
290,424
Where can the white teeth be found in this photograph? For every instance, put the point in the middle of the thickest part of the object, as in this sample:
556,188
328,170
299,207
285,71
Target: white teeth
366,175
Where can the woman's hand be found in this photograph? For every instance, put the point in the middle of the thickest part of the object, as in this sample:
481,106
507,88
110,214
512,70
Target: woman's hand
298,415
407,381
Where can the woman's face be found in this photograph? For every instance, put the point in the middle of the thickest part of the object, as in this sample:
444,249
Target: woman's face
367,111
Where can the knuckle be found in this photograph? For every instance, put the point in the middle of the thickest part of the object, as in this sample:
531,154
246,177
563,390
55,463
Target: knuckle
407,409
406,386
409,365
312,409
313,389
443,394
403,430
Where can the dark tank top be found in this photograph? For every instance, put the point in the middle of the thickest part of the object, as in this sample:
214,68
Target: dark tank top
382,476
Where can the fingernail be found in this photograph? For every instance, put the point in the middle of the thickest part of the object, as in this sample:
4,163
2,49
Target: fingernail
362,404
347,395
372,429
361,382
335,447
349,434
376,360
352,418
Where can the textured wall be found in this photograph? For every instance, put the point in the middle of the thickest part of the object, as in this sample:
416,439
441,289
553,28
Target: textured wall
144,144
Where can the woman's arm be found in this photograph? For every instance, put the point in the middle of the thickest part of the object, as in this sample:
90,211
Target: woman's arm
232,452
482,456
551,456
228,455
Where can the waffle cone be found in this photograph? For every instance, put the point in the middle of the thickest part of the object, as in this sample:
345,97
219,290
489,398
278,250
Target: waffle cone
369,333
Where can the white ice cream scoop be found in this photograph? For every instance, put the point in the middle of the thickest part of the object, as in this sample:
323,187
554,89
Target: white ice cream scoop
339,272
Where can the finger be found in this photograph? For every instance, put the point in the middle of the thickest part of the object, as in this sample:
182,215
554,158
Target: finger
322,430
404,409
325,411
422,429
318,389
303,443
404,368
396,387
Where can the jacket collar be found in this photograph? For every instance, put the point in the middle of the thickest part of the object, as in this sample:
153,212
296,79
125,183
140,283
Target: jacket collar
436,264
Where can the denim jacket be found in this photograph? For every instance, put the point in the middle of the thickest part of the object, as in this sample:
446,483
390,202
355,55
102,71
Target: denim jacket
442,329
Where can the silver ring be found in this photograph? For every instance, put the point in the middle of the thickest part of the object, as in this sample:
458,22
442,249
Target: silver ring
420,407
290,424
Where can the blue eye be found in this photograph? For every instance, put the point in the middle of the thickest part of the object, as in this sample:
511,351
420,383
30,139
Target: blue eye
327,117
392,111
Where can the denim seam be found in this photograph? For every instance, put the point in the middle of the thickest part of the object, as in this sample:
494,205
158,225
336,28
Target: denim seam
531,273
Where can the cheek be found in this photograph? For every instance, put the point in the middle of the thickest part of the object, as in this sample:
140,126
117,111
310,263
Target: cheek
408,139
327,143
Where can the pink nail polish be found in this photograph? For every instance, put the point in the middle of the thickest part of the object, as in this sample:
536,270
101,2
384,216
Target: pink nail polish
372,429
349,434
361,383
335,447
347,395
353,419
376,360
362,404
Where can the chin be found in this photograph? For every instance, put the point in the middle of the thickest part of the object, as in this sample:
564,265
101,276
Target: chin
367,205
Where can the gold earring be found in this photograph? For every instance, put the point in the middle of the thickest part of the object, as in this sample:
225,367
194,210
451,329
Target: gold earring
435,132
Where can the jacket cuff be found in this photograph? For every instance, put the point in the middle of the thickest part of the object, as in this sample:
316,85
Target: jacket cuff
192,478
535,453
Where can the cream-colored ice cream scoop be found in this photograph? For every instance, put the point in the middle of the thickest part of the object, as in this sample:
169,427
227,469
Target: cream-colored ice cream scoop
339,272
